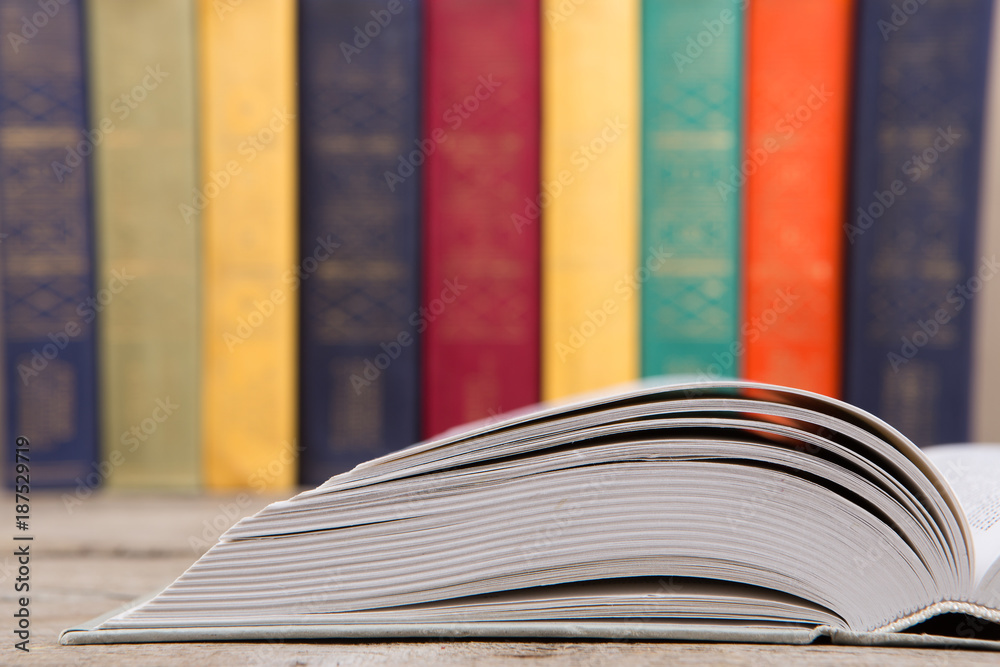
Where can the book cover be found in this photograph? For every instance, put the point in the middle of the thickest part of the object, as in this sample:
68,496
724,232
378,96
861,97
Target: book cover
481,111
792,174
985,353
142,86
691,130
50,301
361,165
588,204
247,201
911,225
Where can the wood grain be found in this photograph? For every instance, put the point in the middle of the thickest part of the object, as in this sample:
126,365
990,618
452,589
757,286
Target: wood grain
113,547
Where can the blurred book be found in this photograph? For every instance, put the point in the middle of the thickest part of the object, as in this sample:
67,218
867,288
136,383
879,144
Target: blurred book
589,199
913,268
248,137
792,173
361,165
480,269
147,209
49,299
986,352
691,126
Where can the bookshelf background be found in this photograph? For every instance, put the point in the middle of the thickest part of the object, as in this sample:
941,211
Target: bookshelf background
248,245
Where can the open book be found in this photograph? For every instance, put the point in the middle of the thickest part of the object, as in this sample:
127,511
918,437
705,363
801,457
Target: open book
702,510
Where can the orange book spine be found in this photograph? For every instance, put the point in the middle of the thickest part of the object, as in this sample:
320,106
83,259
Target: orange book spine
792,173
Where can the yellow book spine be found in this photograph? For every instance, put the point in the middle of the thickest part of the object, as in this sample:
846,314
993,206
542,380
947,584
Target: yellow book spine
248,162
590,124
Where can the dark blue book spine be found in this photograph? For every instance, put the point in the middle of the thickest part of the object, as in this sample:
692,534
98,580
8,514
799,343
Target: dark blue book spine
360,167
913,270
46,235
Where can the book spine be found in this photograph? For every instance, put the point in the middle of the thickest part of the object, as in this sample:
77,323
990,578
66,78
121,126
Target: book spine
792,171
589,195
249,128
913,268
690,228
46,237
361,162
986,353
145,167
481,111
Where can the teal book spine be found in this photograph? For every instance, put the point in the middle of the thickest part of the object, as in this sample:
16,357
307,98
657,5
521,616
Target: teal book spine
688,263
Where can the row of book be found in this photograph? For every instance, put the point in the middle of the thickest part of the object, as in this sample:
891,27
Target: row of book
249,244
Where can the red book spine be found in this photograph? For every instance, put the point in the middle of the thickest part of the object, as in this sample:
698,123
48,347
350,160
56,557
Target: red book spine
480,275
798,94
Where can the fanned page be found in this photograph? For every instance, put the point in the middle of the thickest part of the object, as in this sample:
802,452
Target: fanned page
974,473
737,507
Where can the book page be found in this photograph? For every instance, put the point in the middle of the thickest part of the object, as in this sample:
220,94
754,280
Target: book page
974,474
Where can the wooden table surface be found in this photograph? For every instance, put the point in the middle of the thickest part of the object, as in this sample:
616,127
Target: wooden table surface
93,554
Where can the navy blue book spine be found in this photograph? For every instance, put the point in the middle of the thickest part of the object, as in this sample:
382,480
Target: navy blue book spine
49,306
913,270
360,170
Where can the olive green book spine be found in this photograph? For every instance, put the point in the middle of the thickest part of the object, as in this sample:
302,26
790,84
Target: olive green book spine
147,202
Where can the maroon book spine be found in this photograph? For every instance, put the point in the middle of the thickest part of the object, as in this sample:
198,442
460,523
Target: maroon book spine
479,317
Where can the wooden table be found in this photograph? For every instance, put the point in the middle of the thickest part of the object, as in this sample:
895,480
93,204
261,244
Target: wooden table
93,555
